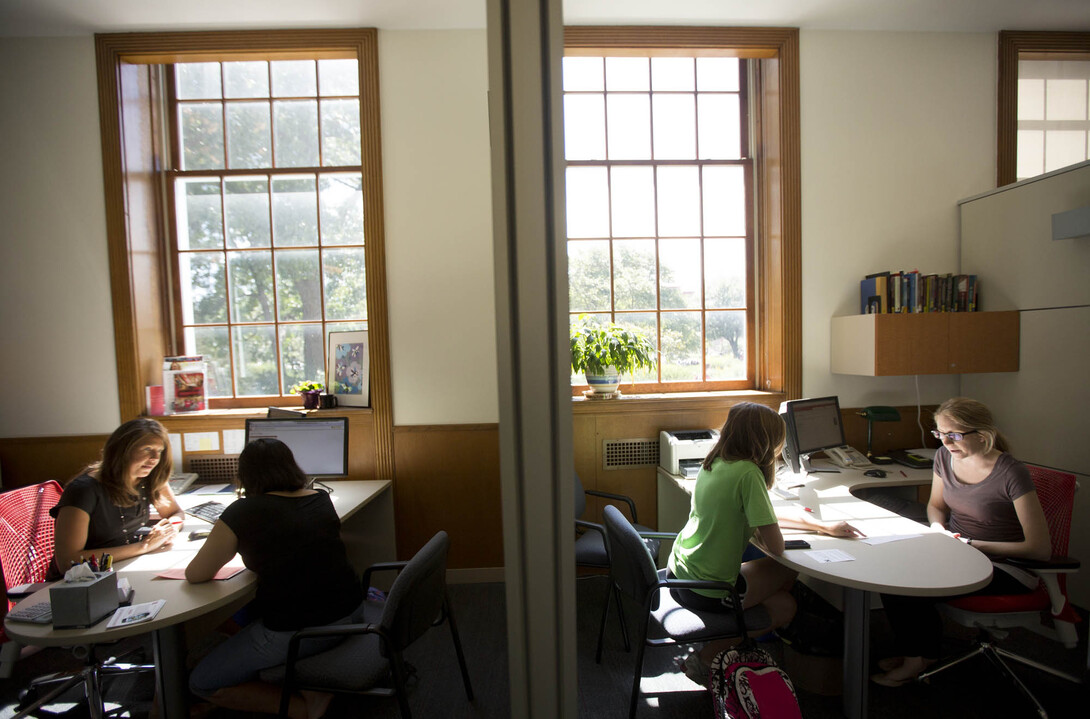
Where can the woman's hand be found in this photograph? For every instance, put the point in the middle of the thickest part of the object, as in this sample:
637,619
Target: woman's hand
840,529
161,536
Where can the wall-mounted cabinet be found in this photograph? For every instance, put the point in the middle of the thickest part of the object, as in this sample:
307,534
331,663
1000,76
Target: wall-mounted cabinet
928,343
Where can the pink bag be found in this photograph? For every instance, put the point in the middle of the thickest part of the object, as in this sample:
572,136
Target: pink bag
746,684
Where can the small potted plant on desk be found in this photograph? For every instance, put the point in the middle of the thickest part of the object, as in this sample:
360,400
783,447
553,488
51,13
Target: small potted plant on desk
311,393
605,352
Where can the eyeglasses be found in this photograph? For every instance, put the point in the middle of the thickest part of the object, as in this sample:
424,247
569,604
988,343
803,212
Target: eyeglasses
952,436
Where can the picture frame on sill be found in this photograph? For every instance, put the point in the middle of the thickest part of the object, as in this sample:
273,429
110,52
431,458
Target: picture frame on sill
349,370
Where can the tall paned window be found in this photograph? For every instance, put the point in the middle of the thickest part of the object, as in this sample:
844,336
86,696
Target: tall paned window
1053,115
660,210
267,215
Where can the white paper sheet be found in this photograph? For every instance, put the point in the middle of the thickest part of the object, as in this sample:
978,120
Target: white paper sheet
828,556
202,441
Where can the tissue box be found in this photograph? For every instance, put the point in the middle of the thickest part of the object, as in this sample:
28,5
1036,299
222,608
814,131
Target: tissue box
81,604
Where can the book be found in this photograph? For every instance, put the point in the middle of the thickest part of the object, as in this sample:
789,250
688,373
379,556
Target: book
910,291
135,614
184,384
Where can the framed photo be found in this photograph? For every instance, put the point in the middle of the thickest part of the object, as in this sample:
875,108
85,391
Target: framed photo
349,374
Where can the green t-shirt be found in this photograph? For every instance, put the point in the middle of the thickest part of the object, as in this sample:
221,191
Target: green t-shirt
728,502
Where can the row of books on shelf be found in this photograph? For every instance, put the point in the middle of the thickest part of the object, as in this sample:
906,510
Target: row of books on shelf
897,292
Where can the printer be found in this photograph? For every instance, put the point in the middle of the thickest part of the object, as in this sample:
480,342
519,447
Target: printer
681,452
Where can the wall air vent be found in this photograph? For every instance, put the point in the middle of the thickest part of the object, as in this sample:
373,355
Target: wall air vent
630,453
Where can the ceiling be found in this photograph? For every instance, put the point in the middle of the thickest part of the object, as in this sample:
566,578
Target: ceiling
43,18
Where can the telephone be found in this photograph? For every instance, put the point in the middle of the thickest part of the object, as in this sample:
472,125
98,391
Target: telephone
847,457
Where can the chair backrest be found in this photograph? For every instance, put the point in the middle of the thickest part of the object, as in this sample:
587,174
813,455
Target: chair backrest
1056,491
26,532
633,569
415,600
580,496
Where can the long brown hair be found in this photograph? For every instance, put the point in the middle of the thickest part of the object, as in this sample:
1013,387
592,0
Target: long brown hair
117,457
753,433
969,414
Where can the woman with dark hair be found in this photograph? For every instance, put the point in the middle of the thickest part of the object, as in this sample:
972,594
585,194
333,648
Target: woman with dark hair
730,506
986,498
105,508
289,535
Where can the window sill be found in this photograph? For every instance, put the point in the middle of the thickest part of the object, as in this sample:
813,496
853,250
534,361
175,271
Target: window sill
635,403
242,413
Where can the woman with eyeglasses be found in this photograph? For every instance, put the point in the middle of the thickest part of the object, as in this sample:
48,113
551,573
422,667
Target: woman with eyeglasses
983,496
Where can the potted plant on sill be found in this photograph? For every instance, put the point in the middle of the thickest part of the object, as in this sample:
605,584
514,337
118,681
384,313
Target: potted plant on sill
605,352
311,393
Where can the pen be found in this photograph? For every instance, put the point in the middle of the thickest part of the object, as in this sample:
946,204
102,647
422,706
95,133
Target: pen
807,509
903,473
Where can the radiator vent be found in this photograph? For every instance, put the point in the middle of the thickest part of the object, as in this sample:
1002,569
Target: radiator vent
626,453
215,468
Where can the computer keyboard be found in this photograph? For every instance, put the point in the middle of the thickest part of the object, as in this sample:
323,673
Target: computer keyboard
208,511
39,613
182,481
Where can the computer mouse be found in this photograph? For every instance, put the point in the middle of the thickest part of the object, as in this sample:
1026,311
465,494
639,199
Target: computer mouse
875,473
194,536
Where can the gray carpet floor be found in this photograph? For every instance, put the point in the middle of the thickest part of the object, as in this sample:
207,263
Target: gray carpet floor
972,689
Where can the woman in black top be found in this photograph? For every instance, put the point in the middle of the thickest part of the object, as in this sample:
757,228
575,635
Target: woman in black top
104,507
290,537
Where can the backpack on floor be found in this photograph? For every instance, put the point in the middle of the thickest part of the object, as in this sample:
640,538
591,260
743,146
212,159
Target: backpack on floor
747,684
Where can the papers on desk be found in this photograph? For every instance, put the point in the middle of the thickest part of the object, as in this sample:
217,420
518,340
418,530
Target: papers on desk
136,614
225,572
829,556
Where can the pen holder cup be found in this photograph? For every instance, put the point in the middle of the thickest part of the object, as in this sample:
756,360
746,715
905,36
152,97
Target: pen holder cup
81,604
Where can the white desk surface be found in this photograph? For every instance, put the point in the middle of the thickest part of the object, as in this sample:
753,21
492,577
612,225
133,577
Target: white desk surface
184,600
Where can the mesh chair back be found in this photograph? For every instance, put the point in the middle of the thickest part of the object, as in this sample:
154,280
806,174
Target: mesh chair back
415,600
26,532
1056,491
633,568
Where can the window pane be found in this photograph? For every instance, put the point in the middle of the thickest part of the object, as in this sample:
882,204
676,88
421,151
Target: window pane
295,133
294,78
675,127
246,79
248,141
255,361
717,73
627,73
725,273
1031,153
679,201
720,133
583,73
295,211
588,276
1031,99
633,202
646,323
298,294
587,206
634,274
724,201
726,345
672,73
345,284
197,80
341,208
584,127
1066,100
340,132
203,287
629,127
201,134
680,350
246,205
211,343
199,214
250,275
302,356
680,273
338,77
1063,148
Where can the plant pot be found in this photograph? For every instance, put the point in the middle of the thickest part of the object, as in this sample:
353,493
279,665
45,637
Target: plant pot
604,383
311,399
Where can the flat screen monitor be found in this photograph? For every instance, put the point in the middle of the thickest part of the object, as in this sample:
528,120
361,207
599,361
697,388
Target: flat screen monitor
320,445
812,426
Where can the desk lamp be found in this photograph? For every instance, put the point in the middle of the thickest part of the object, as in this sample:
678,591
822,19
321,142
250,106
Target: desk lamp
878,414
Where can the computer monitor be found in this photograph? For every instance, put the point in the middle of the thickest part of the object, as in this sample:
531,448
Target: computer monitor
320,445
813,425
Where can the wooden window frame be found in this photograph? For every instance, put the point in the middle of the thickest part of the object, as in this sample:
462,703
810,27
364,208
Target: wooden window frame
140,263
777,294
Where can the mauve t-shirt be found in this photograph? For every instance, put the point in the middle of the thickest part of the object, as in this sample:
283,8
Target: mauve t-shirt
985,510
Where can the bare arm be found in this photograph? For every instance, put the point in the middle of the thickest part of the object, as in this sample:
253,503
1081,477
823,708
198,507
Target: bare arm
794,518
1036,545
218,549
937,511
168,507
70,539
770,539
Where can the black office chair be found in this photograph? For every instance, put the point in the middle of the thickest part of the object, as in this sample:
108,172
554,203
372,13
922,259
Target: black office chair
664,622
369,660
591,548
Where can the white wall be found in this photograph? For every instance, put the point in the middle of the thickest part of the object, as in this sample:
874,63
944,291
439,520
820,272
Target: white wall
57,328
896,128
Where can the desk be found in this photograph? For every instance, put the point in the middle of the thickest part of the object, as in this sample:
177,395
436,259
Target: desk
366,512
930,564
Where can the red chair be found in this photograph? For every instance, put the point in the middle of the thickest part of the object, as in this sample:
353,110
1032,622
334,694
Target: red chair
994,614
26,548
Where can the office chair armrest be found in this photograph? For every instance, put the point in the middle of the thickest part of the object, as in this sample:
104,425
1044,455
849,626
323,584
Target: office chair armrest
380,567
739,612
658,535
1051,565
617,497
591,526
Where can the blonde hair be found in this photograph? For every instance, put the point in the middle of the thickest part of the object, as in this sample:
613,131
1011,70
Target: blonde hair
969,414
753,433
